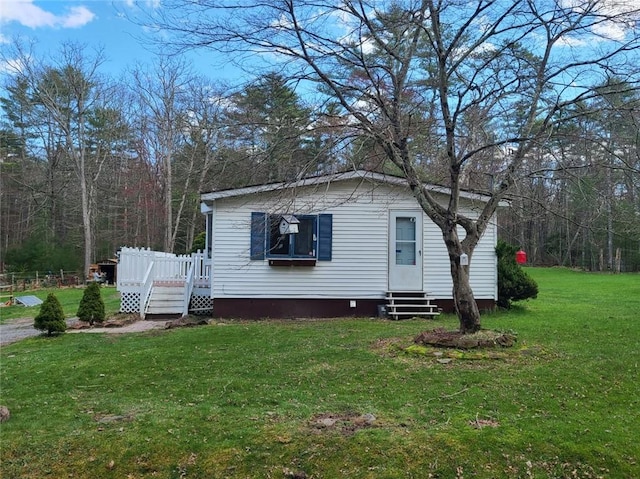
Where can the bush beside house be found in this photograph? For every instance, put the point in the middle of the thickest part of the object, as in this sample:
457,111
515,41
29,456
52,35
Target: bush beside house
514,284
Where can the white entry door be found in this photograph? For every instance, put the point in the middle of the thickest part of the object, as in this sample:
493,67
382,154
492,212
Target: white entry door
405,250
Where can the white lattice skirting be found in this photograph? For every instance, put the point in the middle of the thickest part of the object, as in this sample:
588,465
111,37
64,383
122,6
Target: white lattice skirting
201,305
129,302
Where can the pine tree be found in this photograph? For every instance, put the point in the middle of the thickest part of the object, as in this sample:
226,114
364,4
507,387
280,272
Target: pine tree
91,307
51,316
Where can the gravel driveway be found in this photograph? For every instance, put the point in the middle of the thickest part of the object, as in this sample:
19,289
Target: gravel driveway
21,328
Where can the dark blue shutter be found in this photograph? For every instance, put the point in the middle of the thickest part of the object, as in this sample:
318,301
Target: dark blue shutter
325,233
258,235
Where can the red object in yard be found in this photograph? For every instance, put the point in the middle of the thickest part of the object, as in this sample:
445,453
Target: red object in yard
521,257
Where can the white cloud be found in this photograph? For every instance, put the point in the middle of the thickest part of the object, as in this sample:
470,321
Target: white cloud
147,3
11,66
572,42
610,30
30,15
619,7
282,23
77,17
603,7
610,20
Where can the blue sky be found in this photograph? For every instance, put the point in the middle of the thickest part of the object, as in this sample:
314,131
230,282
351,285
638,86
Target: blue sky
106,23
95,23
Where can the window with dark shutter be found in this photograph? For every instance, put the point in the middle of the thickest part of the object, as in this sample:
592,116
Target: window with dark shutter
325,237
312,241
258,235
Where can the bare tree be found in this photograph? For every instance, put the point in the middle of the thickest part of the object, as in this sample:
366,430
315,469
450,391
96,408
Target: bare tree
161,95
206,111
111,146
520,63
577,206
68,91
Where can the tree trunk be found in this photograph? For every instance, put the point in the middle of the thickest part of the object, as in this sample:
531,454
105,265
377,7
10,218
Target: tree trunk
168,205
183,201
86,221
196,211
464,302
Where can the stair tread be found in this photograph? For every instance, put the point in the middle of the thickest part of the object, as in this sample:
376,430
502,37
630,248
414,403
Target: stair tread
166,299
404,304
400,291
416,302
413,315
404,310
404,313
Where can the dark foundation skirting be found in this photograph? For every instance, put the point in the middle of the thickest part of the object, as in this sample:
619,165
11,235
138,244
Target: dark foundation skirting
261,308
447,305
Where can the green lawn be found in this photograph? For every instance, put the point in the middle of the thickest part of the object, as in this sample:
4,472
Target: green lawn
68,297
285,399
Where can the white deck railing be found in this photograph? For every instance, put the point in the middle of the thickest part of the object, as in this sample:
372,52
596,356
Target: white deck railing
201,270
136,266
188,289
145,289
139,270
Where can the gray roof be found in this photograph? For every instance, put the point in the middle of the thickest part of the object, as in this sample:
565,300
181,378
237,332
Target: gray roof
326,179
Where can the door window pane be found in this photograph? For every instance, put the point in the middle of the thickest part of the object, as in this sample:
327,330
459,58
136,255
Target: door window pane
405,241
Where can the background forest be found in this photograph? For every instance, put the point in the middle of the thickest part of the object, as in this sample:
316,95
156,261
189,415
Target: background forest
90,163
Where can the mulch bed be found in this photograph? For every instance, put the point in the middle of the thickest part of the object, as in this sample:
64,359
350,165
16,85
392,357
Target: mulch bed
454,339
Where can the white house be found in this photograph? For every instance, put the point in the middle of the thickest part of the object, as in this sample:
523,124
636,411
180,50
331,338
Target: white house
336,245
347,244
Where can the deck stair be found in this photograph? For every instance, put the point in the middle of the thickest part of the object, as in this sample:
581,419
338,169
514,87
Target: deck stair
409,304
166,300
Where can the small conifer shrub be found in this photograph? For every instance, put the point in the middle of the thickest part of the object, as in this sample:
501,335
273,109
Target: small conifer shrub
514,284
50,318
91,307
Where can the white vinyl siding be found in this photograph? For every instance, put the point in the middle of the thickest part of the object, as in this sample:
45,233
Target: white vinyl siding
482,266
359,265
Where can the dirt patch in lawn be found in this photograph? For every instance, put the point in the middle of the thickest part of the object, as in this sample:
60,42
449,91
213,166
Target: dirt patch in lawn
444,347
116,321
346,423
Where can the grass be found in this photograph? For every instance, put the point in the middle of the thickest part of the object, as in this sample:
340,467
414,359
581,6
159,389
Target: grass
247,399
68,297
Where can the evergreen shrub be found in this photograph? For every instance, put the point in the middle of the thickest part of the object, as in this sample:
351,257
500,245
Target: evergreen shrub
91,307
199,242
514,284
50,318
